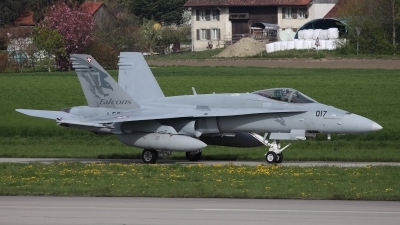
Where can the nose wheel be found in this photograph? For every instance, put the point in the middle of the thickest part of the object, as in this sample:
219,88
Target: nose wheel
272,157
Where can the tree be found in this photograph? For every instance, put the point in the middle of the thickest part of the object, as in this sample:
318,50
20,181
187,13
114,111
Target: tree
11,9
50,41
19,45
378,22
150,35
74,25
39,7
172,34
159,10
118,28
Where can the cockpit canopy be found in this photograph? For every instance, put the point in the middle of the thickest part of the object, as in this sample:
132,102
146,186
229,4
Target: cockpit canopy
285,95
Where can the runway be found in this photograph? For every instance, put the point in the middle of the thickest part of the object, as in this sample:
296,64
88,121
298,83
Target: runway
86,210
169,161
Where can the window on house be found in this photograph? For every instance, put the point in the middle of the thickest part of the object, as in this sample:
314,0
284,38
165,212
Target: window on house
286,13
202,14
294,13
203,34
214,14
215,34
302,13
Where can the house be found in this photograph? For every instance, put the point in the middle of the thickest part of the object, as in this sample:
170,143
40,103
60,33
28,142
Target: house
20,45
334,12
25,19
216,23
97,10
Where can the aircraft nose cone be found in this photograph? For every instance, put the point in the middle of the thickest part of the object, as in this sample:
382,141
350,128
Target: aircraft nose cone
376,127
357,124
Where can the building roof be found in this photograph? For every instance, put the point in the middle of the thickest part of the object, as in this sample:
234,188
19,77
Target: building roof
194,3
333,13
91,7
25,19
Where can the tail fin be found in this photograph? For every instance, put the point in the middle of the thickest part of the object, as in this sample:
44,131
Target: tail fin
136,78
99,87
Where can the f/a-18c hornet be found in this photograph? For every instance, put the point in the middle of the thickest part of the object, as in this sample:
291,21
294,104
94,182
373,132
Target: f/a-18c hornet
136,110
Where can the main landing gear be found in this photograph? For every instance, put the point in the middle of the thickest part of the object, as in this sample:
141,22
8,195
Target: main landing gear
193,156
151,156
274,154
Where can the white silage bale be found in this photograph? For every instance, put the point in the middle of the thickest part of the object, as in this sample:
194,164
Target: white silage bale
333,33
316,34
308,34
270,47
284,45
290,45
277,46
308,44
300,35
330,45
324,35
322,44
299,44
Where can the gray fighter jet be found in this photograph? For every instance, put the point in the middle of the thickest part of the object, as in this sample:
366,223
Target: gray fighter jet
136,110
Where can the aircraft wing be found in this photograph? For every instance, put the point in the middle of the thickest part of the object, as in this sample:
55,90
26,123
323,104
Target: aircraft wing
147,114
239,111
158,114
47,114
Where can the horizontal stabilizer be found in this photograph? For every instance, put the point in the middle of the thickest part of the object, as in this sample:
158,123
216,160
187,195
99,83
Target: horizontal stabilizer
47,114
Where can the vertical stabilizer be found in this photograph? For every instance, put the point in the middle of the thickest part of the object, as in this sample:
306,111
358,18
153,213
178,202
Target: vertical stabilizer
136,78
100,89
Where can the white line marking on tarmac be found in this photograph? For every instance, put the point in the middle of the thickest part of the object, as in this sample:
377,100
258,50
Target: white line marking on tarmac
202,209
300,211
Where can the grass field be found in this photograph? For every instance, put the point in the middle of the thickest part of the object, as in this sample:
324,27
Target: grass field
218,181
371,93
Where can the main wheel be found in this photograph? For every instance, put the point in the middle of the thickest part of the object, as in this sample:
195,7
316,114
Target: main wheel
280,158
271,157
149,156
193,156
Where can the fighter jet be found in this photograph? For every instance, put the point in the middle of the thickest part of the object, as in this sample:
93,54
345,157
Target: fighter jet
138,113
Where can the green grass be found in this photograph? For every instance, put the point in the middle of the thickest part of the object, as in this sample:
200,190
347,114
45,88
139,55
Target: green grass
228,181
370,93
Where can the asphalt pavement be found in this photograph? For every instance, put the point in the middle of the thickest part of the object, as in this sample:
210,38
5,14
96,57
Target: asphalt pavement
205,162
20,210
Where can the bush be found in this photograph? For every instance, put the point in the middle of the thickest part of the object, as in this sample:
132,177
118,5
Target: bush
104,54
3,62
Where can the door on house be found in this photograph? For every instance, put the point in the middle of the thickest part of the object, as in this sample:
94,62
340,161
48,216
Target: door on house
240,29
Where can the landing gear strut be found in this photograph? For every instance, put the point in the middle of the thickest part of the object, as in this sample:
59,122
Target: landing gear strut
274,154
193,156
149,156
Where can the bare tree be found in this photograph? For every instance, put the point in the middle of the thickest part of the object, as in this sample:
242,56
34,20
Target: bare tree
388,11
19,45
378,20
